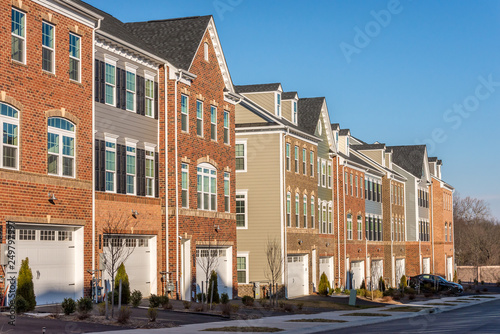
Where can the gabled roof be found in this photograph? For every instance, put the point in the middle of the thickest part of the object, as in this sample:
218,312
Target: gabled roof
410,158
361,163
176,40
344,132
433,159
270,87
373,162
289,95
309,110
368,147
335,126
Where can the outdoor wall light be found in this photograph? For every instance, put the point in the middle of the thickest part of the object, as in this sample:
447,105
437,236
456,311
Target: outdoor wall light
359,250
52,197
217,228
135,213
300,241
327,244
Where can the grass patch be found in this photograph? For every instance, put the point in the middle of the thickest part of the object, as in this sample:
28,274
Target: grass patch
236,329
482,297
405,309
366,315
330,305
441,304
316,320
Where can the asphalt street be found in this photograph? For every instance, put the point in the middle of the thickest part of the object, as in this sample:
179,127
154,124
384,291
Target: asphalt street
481,318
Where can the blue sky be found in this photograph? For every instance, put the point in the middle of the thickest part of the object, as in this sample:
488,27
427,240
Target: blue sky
398,72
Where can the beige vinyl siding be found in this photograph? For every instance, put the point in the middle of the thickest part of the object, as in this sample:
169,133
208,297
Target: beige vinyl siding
387,160
323,153
262,180
286,108
375,155
411,202
245,116
265,100
342,143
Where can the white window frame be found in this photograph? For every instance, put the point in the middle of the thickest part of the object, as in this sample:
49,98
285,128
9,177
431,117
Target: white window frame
213,124
297,210
330,172
349,227
287,156
227,196
294,112
109,138
305,203
63,133
323,173
150,148
199,118
52,50
227,138
185,169
243,193
304,161
330,218
77,59
296,159
23,38
205,51
360,227
244,157
15,122
313,211
185,114
278,103
324,218
311,163
111,61
288,209
200,172
318,164
132,69
246,256
149,76
132,144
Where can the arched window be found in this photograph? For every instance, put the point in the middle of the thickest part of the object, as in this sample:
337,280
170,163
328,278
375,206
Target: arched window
349,226
304,210
288,204
207,187
445,231
297,210
9,147
60,147
205,51
312,211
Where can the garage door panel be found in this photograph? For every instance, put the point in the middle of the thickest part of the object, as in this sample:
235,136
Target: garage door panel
298,282
222,266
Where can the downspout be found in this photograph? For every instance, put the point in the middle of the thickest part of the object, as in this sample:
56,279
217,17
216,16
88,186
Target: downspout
167,253
343,222
432,228
176,192
93,146
391,224
338,222
285,246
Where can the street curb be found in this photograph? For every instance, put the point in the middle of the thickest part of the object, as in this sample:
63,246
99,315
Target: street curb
177,311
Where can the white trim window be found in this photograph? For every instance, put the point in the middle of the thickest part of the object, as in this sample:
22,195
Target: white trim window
227,192
294,112
110,165
330,220
48,47
329,170
319,171
18,31
297,223
296,157
241,210
288,210
110,82
207,187
351,180
242,268
312,211
213,123
311,163
199,118
446,232
323,173
150,172
205,51
9,147
360,228
320,224
226,127
60,147
349,227
130,90
184,113
287,152
304,210
356,185
278,104
241,158
392,229
361,186
304,162
131,172
74,57
324,217
185,185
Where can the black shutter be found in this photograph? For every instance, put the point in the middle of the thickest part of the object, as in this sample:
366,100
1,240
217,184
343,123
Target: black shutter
96,165
141,172
157,176
120,169
96,80
102,165
102,74
140,95
124,90
157,105
118,88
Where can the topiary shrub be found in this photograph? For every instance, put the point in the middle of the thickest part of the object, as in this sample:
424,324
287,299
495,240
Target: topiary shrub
324,285
25,285
20,304
337,291
381,284
224,298
215,297
361,292
403,283
363,285
247,300
68,305
136,298
347,292
121,274
154,301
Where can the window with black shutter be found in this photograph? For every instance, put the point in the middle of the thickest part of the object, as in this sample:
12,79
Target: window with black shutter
141,172
102,82
96,164
96,80
157,178
102,165
157,104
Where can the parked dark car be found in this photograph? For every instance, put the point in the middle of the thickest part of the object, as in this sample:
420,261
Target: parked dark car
427,282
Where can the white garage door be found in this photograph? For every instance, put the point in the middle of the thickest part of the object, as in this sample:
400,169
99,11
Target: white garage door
426,263
140,263
298,278
56,260
221,259
358,273
400,270
326,266
449,269
377,272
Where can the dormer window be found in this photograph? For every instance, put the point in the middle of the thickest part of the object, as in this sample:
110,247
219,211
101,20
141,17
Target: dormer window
278,104
294,112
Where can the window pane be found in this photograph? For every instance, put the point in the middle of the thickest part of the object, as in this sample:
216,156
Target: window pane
17,23
52,164
110,160
53,143
68,166
9,157
130,164
68,146
74,69
130,184
110,181
74,46
10,134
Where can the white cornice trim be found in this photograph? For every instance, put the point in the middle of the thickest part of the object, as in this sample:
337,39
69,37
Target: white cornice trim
121,50
71,10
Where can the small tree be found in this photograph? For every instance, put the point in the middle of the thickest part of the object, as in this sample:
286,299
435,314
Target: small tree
324,285
381,284
213,280
25,287
121,274
275,262
403,283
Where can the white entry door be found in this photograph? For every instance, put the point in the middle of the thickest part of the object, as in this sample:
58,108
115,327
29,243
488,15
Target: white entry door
426,264
400,270
449,268
186,269
377,272
56,260
314,270
298,279
358,273
326,266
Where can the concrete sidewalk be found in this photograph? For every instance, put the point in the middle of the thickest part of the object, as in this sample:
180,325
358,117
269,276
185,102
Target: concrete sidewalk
283,322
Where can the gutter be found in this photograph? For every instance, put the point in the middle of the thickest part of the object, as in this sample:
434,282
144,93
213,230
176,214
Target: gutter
338,221
167,253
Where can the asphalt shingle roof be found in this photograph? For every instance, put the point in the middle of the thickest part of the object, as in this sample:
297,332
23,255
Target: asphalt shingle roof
410,158
288,95
344,132
257,88
369,147
175,40
309,113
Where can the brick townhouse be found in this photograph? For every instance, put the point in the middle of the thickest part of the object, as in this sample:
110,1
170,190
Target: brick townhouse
46,119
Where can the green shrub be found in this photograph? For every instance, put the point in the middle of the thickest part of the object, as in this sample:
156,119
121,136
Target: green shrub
152,314
381,284
377,294
389,292
124,314
84,306
154,301
136,298
338,291
410,291
247,301
475,281
347,292
164,301
361,292
101,308
224,298
25,285
215,297
68,305
121,274
235,307
363,285
187,304
201,297
324,285
403,284
20,304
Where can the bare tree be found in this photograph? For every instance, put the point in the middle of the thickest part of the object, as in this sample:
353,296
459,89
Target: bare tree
274,269
116,246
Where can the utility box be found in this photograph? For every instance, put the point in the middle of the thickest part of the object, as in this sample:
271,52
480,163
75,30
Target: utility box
256,290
